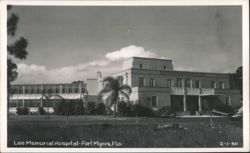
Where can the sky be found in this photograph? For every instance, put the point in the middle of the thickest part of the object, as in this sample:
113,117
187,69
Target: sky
68,43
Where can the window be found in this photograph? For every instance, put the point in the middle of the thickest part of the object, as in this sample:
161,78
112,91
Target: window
20,91
13,90
70,90
179,82
154,101
164,67
222,85
213,84
197,84
26,102
152,67
152,82
169,83
32,91
26,91
38,90
188,83
141,82
45,90
76,90
140,66
19,103
12,103
57,90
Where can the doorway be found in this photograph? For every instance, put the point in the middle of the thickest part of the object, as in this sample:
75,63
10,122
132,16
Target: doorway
192,104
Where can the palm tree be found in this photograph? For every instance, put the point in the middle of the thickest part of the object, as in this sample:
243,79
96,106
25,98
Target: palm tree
113,88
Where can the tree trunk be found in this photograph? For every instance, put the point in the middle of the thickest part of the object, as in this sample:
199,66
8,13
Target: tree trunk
115,110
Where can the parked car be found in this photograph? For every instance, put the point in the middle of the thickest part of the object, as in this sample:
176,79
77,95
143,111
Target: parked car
167,112
223,110
237,115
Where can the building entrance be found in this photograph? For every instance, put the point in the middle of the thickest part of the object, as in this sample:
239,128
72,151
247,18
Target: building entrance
192,104
177,102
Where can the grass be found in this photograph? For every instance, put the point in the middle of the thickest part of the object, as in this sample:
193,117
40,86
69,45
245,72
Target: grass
125,131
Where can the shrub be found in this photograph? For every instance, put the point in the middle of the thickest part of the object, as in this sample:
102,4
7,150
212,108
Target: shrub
78,108
91,108
69,107
22,111
75,107
19,111
122,108
100,109
109,111
41,111
141,110
58,108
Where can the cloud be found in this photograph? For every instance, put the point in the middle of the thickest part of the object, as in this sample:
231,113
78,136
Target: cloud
129,51
40,74
111,63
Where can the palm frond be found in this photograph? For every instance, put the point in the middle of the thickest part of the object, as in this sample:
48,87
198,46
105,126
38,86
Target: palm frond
105,90
126,88
124,94
120,79
108,79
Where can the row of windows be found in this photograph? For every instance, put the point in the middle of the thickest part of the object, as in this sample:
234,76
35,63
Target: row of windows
153,67
178,83
49,90
32,103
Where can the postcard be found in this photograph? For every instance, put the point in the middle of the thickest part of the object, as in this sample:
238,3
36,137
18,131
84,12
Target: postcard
125,76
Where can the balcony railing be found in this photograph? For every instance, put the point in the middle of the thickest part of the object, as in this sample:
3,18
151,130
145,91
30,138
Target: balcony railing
192,91
207,91
39,96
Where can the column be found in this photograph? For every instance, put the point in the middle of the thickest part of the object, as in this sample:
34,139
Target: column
184,103
23,95
41,103
199,103
100,82
184,96
229,101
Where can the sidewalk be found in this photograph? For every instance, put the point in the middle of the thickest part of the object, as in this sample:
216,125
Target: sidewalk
198,116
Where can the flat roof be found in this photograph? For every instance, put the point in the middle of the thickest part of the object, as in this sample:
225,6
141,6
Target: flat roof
91,79
33,84
151,58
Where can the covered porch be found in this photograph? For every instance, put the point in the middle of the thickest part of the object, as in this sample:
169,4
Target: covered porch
197,104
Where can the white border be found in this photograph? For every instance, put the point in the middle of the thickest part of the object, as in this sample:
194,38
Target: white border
245,55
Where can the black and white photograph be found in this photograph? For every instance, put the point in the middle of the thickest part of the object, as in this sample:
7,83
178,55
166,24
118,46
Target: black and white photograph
111,76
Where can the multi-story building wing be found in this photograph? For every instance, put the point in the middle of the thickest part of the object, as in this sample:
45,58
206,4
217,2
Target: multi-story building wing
33,95
156,84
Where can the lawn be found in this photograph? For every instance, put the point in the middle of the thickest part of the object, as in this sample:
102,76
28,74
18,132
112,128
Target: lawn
104,131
